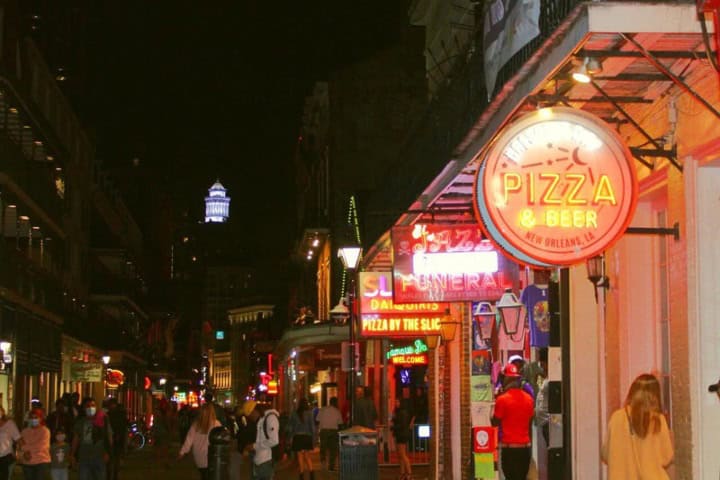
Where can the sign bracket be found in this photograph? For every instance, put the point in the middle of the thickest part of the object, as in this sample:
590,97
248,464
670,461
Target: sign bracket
674,231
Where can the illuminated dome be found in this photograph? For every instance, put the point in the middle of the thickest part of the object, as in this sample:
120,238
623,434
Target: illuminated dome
217,204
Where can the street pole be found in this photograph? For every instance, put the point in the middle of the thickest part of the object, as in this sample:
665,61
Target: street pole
353,359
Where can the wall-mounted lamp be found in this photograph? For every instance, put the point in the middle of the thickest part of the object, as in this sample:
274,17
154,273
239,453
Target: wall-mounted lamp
106,359
432,341
586,70
510,310
448,327
596,273
484,313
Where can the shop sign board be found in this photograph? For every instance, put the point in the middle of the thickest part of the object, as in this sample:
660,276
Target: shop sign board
445,263
86,371
556,187
484,439
411,359
415,354
381,316
114,378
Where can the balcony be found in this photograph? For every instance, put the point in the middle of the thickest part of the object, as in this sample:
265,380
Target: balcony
439,134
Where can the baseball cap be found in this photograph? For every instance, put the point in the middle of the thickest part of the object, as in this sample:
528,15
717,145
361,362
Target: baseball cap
516,358
511,370
248,407
714,387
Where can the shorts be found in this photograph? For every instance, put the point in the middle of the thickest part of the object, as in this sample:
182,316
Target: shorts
302,441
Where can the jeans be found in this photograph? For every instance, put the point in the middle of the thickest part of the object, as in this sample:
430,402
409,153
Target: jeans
264,471
59,473
36,472
91,469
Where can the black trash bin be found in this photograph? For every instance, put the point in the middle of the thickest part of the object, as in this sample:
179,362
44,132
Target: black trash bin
219,440
358,454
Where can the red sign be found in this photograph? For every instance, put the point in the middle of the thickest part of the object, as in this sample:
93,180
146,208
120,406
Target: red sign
114,378
380,316
556,187
448,264
484,439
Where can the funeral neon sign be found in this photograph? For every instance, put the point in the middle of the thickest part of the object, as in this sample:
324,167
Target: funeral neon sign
557,187
446,263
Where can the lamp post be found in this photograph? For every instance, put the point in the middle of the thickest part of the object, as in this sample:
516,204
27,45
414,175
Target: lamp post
350,257
106,361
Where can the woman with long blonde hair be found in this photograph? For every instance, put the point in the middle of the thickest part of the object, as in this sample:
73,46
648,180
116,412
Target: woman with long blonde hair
197,439
638,444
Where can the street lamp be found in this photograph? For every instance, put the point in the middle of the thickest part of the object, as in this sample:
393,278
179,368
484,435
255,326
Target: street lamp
340,313
350,256
510,310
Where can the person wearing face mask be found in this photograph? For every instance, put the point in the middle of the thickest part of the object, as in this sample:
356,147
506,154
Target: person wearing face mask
9,435
59,456
91,443
35,446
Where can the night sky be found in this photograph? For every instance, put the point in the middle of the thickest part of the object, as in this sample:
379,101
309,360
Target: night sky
204,89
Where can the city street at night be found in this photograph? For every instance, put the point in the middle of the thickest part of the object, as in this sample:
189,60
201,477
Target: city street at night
433,239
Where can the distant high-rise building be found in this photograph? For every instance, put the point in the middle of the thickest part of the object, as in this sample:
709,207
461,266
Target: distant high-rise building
217,204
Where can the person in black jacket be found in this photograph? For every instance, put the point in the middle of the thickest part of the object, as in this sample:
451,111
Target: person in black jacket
402,423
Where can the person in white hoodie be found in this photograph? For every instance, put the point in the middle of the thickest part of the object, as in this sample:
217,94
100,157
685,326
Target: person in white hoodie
267,436
197,439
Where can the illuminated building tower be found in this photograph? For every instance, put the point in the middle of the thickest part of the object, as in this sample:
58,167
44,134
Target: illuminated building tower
217,204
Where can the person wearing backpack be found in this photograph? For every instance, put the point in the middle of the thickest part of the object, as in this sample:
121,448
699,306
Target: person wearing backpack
266,438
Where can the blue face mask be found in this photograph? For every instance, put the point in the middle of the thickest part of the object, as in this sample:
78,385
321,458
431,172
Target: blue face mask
90,411
34,422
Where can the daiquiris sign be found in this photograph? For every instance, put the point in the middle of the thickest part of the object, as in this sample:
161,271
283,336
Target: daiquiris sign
556,187
381,317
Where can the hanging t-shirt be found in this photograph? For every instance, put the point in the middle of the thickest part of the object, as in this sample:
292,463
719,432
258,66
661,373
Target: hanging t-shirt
535,300
515,341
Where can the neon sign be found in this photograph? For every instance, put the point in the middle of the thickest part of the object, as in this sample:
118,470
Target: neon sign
418,359
556,187
418,347
380,316
414,354
446,263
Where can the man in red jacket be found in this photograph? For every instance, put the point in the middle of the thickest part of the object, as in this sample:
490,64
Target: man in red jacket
513,413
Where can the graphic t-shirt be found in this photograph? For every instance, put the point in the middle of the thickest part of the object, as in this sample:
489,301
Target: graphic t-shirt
94,439
535,300
59,455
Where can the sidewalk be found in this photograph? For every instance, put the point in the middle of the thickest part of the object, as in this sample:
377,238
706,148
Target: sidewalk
142,465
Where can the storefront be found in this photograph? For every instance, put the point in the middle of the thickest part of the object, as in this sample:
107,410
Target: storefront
627,185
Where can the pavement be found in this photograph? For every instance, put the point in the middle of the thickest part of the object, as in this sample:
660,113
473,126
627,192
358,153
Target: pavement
143,465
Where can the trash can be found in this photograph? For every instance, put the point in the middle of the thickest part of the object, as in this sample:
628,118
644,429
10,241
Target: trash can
358,454
219,440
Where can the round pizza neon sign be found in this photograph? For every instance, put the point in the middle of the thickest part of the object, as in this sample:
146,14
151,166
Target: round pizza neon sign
556,187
